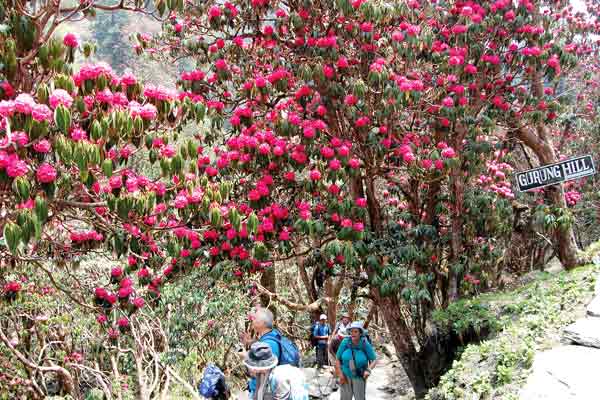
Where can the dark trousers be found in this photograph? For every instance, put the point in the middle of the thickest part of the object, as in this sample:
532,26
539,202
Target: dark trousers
322,356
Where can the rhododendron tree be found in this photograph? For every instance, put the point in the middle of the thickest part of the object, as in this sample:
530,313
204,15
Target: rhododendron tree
338,99
375,133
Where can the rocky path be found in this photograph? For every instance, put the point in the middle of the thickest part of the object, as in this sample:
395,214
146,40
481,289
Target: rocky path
387,382
570,371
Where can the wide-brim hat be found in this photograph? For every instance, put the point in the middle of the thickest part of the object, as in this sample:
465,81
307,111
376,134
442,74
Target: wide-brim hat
356,325
260,357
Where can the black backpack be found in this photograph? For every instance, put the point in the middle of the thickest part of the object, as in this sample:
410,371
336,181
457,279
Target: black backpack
311,336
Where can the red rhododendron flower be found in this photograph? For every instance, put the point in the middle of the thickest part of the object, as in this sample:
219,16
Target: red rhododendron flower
16,168
12,287
315,175
60,97
46,173
42,146
70,40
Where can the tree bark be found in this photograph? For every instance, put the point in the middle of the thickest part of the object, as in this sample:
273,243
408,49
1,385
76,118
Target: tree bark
312,307
402,341
539,140
310,289
456,238
564,238
332,290
269,282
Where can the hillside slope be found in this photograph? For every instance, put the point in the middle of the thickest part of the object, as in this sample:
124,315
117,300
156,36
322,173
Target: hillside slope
526,320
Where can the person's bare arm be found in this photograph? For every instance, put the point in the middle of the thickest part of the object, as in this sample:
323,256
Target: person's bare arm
339,372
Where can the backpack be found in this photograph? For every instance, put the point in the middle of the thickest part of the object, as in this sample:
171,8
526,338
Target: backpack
288,351
362,348
325,332
363,340
311,337
298,388
209,385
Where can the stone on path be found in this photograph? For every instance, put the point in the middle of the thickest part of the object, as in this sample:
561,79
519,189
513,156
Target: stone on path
593,309
321,383
564,373
585,332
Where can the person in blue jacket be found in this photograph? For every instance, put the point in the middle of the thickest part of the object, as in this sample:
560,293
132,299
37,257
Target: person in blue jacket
355,359
262,324
274,382
321,334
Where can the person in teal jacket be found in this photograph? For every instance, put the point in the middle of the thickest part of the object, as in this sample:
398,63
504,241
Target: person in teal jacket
355,358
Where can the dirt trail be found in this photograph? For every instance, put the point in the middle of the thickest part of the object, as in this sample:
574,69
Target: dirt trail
388,382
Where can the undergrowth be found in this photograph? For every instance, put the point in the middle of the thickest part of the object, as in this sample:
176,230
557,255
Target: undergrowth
522,321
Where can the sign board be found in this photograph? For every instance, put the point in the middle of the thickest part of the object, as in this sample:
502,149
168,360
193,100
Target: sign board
553,174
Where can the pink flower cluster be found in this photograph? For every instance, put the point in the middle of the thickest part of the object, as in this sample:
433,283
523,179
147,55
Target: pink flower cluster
103,294
110,98
12,287
147,111
496,179
572,197
46,173
42,146
91,71
160,93
70,40
26,105
406,85
60,97
14,166
84,236
196,75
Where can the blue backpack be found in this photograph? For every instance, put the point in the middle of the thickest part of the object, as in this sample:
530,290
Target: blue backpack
288,350
208,386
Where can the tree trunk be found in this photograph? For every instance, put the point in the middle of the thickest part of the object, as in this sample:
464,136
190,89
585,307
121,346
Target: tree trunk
540,141
564,238
267,280
401,339
332,290
310,288
456,239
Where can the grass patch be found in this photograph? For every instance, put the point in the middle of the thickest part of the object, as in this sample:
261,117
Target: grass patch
464,315
527,319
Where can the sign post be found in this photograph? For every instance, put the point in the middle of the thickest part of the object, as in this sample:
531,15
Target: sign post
552,174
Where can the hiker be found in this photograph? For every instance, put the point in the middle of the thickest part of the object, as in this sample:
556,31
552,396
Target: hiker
336,340
321,335
344,323
273,382
282,348
213,386
355,358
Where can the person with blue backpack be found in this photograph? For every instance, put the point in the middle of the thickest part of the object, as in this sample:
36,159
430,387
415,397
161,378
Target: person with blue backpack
213,386
282,348
321,334
355,358
274,382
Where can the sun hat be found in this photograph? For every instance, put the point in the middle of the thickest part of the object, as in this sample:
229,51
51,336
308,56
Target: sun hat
357,325
260,357
345,315
323,316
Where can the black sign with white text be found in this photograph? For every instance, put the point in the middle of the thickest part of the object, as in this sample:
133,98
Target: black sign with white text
553,174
